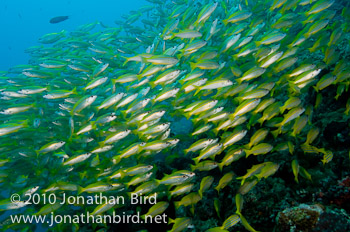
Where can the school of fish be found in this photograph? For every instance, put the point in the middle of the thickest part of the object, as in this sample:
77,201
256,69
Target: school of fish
168,98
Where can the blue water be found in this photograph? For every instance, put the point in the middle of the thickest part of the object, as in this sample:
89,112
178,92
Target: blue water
24,21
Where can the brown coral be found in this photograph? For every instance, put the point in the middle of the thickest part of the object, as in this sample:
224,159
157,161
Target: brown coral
301,218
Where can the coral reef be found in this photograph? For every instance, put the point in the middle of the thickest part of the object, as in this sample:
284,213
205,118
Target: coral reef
302,218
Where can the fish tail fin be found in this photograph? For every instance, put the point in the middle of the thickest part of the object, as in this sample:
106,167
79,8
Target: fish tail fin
261,121
242,182
158,181
124,113
186,151
194,120
171,221
239,81
71,113
143,59
275,133
246,224
196,160
152,84
282,109
139,77
64,32
177,205
153,101
193,65
197,91
116,160
97,109
239,99
293,134
193,167
74,91
127,59
102,143
247,146
182,81
25,123
216,131
200,193
80,190
221,166
48,88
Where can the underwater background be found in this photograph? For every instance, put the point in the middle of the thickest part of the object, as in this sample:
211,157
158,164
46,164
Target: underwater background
30,20
177,115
